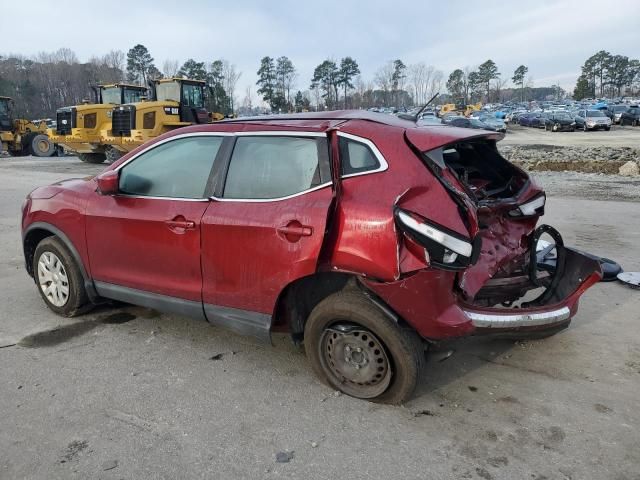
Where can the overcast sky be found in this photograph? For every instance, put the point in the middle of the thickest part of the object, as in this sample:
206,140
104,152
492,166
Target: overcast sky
551,37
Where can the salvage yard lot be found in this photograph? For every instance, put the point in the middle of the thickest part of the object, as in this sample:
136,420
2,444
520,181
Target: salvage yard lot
126,392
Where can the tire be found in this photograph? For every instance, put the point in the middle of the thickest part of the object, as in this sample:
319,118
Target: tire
584,127
26,141
545,127
112,154
607,128
53,260
401,354
41,146
92,157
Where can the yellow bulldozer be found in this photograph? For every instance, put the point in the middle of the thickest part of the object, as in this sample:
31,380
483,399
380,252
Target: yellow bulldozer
78,127
22,137
459,109
174,103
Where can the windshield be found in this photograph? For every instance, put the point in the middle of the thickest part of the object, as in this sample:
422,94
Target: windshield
132,95
4,107
562,116
111,95
619,108
595,113
192,95
168,91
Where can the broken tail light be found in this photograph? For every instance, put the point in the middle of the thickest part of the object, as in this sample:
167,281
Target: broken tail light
445,249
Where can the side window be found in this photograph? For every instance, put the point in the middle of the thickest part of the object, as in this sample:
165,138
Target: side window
177,169
356,157
264,167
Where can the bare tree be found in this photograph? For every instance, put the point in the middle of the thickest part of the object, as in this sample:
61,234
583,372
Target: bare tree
170,68
230,80
383,78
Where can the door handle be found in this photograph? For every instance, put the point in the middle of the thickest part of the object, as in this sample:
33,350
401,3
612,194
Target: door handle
296,231
185,224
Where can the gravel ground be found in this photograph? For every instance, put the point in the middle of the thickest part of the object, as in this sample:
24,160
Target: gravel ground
127,393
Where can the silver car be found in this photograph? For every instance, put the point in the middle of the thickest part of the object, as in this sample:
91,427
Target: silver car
593,120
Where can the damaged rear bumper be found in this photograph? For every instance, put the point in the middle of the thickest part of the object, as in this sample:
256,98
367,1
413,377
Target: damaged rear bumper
511,320
427,302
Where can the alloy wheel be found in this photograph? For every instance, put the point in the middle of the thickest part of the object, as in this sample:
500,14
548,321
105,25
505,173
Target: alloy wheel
53,280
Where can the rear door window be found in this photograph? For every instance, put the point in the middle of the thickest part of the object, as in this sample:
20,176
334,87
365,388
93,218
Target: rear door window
271,167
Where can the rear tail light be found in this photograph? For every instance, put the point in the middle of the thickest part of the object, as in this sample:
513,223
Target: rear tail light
445,249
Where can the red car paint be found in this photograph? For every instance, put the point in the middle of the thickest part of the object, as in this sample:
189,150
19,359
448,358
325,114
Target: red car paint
243,255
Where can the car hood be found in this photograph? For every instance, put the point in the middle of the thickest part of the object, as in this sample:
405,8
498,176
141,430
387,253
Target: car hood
49,191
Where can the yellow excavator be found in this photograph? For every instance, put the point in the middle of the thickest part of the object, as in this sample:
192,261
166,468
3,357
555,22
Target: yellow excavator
78,127
22,137
175,103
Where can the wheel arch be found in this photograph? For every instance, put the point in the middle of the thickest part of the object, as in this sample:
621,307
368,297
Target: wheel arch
38,231
299,298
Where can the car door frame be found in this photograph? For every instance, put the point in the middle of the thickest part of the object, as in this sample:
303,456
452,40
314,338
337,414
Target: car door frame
249,322
161,301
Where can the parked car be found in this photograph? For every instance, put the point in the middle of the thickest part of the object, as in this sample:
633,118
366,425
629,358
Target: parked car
615,111
493,123
360,234
429,120
561,121
593,120
533,120
631,116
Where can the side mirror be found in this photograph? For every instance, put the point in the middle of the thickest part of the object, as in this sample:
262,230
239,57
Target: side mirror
108,182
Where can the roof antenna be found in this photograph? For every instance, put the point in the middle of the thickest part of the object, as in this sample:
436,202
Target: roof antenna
414,118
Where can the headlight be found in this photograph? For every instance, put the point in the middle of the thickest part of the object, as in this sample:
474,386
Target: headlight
535,206
573,124
446,249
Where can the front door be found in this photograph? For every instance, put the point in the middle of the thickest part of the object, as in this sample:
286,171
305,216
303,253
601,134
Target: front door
265,228
147,237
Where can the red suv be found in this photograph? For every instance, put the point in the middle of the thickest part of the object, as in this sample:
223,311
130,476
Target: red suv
363,235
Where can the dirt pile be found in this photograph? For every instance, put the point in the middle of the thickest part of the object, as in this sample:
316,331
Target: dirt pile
602,159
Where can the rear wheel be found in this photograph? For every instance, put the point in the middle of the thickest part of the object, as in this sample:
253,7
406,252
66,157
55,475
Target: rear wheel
42,146
59,278
355,348
92,157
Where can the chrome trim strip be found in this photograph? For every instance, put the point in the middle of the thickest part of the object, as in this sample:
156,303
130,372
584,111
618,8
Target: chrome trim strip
181,199
383,163
265,200
496,320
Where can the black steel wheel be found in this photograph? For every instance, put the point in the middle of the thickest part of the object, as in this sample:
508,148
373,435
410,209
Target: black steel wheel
356,348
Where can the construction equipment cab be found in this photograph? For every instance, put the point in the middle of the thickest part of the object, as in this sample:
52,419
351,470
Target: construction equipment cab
22,137
78,127
176,102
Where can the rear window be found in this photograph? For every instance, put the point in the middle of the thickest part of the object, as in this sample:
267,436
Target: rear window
356,157
265,167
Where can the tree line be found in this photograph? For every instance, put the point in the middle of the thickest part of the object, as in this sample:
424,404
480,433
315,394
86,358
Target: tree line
607,75
47,81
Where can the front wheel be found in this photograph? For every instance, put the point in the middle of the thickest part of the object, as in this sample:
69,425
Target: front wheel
355,348
584,127
59,278
42,146
607,128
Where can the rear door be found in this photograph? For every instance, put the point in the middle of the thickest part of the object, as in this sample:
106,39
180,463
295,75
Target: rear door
265,226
